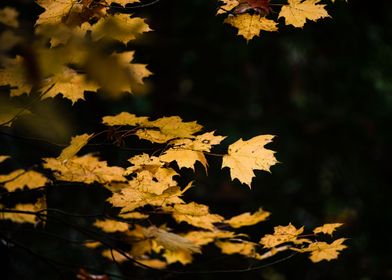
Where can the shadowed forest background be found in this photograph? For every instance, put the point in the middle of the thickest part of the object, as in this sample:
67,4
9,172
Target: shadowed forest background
324,91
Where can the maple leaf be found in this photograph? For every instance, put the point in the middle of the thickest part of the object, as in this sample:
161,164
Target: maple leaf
327,228
195,214
111,226
9,16
228,5
57,11
14,75
114,256
248,219
205,237
122,2
184,257
68,83
20,217
250,25
165,129
124,118
133,215
282,234
243,248
21,178
77,143
245,156
120,27
324,251
87,169
298,11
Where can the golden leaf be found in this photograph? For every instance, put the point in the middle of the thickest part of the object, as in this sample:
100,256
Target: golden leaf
324,251
167,128
298,11
77,143
248,219
134,215
227,6
9,16
196,215
110,254
120,27
87,169
243,248
68,83
327,228
184,158
250,25
154,263
205,237
122,2
21,217
92,244
182,256
111,226
245,156
58,11
21,178
144,162
282,234
124,118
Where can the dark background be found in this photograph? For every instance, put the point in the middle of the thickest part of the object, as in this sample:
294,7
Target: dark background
325,91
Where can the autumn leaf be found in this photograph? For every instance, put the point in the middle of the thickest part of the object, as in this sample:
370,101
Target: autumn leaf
120,27
195,214
324,251
227,6
245,156
68,83
87,169
282,234
14,74
251,25
111,226
124,118
297,12
248,219
3,158
184,257
122,2
243,248
20,178
77,143
20,217
133,215
58,11
206,237
327,228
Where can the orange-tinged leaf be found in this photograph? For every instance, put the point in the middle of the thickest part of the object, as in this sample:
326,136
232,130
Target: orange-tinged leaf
298,11
111,226
245,156
21,217
327,228
205,237
77,143
250,26
154,263
282,234
243,248
182,256
324,251
3,158
124,118
20,178
248,219
87,169
134,215
110,254
122,2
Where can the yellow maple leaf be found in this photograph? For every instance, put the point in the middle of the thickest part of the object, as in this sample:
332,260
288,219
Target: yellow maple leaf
182,256
196,215
77,143
9,16
248,219
324,251
206,237
298,11
122,2
14,74
227,6
327,228
243,248
134,215
245,156
114,255
21,217
144,162
58,11
184,158
250,25
87,169
68,83
21,178
282,234
124,118
120,27
111,225
165,129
